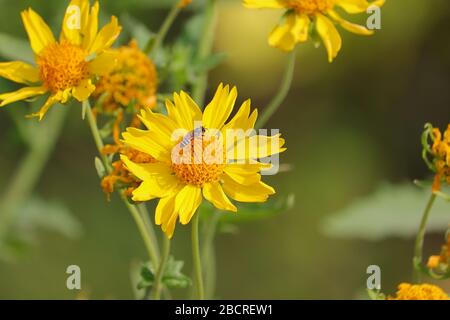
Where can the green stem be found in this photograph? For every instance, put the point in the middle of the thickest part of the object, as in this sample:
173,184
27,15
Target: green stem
153,46
157,286
282,92
208,254
418,250
31,167
151,231
204,50
135,213
196,258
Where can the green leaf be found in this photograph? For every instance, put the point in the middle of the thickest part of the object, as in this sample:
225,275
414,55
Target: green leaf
99,166
172,277
391,211
375,294
15,48
248,212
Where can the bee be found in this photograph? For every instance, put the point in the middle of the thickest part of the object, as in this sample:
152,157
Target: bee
196,133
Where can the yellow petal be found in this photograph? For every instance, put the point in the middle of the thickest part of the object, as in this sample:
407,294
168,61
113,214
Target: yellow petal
241,177
187,202
330,36
83,91
352,27
166,216
272,4
104,63
47,105
90,32
19,72
144,141
220,107
292,30
184,111
159,124
213,192
241,119
21,94
38,31
258,192
158,178
358,6
144,192
255,147
75,21
106,37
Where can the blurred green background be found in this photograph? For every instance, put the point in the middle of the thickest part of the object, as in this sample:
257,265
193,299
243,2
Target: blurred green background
349,126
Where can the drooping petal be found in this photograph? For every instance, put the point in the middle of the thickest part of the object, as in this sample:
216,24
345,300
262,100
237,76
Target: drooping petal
330,36
104,63
75,21
257,192
21,94
47,105
187,202
220,107
214,193
83,90
38,31
292,30
352,27
166,216
271,4
106,36
19,72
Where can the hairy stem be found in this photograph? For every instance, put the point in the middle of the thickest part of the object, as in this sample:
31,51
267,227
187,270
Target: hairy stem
196,258
282,92
418,250
157,286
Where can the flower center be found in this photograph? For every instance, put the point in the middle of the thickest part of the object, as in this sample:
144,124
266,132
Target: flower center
62,66
310,7
198,161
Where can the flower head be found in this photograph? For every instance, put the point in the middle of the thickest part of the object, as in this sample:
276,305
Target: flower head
302,16
194,160
439,151
132,81
66,67
441,262
424,291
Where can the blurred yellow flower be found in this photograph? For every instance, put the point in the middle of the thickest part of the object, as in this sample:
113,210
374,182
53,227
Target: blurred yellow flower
64,68
441,153
443,260
424,291
197,160
321,15
132,81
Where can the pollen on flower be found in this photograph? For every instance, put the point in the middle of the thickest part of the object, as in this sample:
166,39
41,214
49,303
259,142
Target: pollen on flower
310,7
133,80
200,162
424,291
62,66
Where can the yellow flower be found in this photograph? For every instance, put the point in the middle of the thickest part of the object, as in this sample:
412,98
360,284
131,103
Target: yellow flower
64,68
440,152
320,14
424,291
133,80
441,261
196,162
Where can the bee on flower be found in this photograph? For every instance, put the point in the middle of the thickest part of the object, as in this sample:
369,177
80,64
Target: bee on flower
319,16
195,161
67,67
